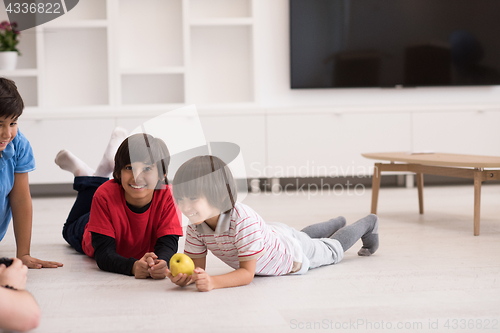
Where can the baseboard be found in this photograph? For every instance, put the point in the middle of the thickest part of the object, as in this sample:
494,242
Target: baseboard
265,184
291,184
52,190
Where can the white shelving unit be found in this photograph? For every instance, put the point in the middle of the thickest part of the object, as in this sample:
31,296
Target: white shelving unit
123,62
204,22
27,72
150,46
215,30
112,54
76,24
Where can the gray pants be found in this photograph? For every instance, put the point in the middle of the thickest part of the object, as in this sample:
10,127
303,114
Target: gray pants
314,252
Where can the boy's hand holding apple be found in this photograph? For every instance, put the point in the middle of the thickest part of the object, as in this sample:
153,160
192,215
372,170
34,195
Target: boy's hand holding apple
181,269
180,279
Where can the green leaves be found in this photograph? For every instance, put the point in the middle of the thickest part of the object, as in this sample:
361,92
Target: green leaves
9,37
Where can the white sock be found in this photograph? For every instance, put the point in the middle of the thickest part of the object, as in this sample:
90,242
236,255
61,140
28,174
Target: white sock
107,164
69,162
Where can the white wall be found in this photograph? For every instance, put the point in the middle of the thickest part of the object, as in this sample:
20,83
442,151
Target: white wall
307,130
273,86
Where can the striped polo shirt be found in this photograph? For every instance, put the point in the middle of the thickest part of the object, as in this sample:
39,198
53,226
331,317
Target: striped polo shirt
242,235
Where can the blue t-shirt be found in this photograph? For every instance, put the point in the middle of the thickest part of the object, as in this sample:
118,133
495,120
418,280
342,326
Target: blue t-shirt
17,157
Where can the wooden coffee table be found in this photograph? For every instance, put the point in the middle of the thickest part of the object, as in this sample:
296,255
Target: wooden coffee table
441,164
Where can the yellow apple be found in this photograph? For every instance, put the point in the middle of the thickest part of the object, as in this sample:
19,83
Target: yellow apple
181,263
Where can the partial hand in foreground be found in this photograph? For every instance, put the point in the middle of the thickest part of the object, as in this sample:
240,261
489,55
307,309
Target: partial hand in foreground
14,275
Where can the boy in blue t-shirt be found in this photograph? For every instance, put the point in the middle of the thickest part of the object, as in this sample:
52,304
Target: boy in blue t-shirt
16,160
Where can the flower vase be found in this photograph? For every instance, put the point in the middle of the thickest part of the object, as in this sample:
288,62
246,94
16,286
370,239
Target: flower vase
8,60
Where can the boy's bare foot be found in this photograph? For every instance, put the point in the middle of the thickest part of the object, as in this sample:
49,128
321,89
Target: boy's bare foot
69,162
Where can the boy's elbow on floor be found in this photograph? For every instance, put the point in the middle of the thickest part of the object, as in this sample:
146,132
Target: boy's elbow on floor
101,266
249,279
34,321
31,321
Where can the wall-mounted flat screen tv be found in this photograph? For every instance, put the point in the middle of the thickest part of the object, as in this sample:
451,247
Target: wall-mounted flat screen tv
394,43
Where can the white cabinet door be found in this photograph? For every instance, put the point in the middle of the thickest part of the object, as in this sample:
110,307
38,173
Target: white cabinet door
471,132
87,139
248,132
330,144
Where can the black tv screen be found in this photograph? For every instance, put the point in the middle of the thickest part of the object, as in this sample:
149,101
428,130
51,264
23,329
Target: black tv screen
390,43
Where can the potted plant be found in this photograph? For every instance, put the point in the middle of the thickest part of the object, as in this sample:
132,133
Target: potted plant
9,38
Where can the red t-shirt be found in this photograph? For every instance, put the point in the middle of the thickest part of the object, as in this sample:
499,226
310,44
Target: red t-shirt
135,234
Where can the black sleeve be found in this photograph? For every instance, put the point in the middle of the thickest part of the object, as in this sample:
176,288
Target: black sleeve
106,257
166,247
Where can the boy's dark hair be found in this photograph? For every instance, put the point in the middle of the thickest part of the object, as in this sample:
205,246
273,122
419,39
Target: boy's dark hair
142,148
11,103
206,176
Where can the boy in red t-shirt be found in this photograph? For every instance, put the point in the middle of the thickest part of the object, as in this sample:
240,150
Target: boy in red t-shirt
129,224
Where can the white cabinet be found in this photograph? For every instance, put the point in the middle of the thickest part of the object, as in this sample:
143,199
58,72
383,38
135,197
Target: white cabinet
247,131
317,145
467,132
86,138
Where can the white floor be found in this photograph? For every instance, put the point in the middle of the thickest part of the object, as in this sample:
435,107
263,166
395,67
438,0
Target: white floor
430,274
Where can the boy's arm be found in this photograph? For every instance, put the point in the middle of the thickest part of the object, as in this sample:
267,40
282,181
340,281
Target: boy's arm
109,260
166,246
106,257
240,277
22,218
18,310
200,262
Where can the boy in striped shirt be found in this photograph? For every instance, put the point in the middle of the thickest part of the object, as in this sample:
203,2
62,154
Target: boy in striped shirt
205,192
